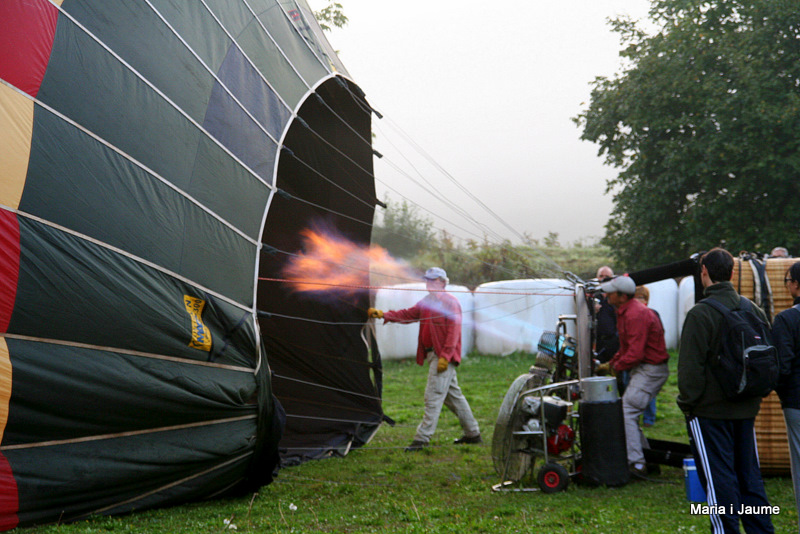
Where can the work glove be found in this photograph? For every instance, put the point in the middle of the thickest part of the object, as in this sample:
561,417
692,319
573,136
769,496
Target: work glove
374,313
605,369
442,366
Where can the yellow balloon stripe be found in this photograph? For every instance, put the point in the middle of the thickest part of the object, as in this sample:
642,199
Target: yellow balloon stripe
5,385
16,131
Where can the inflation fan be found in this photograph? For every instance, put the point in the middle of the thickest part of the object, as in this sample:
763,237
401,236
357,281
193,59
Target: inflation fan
535,433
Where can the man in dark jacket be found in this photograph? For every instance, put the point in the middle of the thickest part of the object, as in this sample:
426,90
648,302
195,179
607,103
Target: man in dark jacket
721,431
786,335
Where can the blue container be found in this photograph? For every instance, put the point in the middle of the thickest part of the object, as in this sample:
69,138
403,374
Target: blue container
694,490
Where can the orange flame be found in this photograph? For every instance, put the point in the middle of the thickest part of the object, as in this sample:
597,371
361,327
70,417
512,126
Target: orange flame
330,262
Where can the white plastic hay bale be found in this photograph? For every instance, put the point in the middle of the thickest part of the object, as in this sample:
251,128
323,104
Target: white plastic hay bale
511,315
685,300
397,341
664,300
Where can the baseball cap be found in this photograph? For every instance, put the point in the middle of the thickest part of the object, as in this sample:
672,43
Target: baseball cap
623,284
435,272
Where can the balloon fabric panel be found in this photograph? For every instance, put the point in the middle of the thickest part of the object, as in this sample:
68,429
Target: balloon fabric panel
94,89
79,183
9,496
261,27
16,130
73,290
9,267
26,39
134,42
253,93
305,53
173,464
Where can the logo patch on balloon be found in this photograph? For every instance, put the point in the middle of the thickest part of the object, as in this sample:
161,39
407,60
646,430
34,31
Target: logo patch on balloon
201,336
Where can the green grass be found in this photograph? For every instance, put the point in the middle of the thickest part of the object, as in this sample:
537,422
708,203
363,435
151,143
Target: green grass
444,488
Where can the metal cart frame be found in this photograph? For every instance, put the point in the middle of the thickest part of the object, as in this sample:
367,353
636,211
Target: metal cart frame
553,476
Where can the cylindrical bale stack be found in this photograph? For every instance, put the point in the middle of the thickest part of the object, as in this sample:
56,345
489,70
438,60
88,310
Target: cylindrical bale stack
511,315
685,301
664,300
773,444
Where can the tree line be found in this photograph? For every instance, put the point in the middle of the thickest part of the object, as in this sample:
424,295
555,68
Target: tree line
407,235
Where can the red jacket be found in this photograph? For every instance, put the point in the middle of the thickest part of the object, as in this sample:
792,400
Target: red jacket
439,316
641,337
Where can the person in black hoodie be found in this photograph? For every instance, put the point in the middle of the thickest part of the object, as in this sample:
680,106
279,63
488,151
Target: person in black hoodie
721,430
786,336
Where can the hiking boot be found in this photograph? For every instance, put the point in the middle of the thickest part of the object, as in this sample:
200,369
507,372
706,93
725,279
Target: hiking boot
415,446
467,440
640,473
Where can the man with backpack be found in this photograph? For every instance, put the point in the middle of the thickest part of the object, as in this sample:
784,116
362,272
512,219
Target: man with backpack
721,427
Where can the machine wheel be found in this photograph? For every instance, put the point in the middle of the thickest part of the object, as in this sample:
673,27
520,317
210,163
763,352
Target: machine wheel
553,478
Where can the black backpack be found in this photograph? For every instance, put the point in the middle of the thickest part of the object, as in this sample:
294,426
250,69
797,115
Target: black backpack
747,365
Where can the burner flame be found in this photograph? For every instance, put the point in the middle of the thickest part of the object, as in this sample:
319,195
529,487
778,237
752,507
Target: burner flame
331,263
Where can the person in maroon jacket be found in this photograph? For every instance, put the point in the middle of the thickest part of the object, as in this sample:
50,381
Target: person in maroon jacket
643,352
439,345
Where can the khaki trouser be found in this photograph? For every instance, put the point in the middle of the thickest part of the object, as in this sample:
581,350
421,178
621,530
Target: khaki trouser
646,381
442,389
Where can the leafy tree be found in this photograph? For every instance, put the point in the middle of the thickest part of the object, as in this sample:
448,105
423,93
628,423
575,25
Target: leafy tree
330,16
551,240
475,263
704,125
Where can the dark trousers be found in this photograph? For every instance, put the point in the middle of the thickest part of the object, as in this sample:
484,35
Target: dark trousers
726,457
606,347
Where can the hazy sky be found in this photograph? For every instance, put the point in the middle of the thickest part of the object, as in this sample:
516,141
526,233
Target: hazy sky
488,90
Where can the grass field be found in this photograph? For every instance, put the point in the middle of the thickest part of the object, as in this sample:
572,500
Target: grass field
444,488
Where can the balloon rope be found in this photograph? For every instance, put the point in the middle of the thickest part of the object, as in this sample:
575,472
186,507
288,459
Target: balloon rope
355,286
339,390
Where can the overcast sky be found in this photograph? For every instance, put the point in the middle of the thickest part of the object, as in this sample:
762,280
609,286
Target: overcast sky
488,90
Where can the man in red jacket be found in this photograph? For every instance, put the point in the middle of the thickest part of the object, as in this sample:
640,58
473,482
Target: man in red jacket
439,345
643,352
